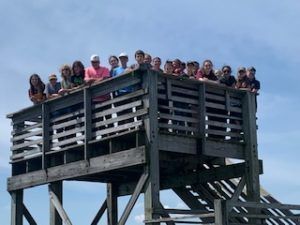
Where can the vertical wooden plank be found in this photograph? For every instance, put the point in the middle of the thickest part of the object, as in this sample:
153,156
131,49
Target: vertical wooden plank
152,201
56,188
87,122
220,212
17,207
112,204
46,134
202,115
252,168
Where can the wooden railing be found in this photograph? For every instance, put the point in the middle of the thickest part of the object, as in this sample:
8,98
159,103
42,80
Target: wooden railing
188,109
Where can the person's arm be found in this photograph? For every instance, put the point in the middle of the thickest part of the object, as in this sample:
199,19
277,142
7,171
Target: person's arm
88,78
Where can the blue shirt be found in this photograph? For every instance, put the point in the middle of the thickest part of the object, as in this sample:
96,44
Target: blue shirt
116,72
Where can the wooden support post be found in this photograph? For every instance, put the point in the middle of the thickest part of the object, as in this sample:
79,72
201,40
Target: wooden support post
239,189
55,191
201,116
112,204
152,201
17,207
133,198
28,216
252,162
99,213
87,122
220,212
46,134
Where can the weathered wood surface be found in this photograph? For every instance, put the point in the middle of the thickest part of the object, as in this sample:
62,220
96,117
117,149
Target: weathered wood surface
79,168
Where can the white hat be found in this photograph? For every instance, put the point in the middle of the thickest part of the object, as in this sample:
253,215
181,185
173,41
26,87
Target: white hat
123,54
95,58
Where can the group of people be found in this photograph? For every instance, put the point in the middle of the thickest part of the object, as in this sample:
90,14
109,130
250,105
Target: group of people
77,76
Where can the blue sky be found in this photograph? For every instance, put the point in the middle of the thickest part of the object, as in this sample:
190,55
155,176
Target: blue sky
39,36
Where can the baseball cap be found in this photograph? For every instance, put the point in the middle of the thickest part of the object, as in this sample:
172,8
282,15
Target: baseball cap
241,68
95,58
251,68
123,54
52,76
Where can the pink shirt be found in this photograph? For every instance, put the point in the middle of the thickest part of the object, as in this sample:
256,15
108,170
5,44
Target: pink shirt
99,74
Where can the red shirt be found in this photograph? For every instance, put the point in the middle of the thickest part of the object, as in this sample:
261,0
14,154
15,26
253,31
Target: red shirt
98,74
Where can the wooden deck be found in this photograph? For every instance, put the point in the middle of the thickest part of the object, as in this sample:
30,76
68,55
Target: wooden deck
193,118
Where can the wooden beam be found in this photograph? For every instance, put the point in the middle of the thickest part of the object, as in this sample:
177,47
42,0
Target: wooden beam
220,212
191,201
46,134
16,207
249,125
133,198
208,175
55,201
57,197
239,189
151,127
99,164
100,213
87,122
28,216
112,204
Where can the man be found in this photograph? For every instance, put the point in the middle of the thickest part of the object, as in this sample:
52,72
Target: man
254,84
139,58
95,73
123,57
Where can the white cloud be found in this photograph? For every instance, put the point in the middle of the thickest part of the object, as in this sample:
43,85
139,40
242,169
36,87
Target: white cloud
139,218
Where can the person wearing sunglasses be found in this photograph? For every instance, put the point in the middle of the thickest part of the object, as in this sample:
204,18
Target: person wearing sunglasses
227,79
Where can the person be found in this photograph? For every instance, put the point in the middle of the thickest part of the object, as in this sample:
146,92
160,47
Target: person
156,63
139,56
196,66
190,70
218,73
168,67
206,73
113,62
147,58
123,58
52,87
177,67
227,79
66,84
96,73
242,79
254,84
36,91
77,78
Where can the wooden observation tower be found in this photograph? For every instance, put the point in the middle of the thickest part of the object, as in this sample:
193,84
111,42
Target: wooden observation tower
165,133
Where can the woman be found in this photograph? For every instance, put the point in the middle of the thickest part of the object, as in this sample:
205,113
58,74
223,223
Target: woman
206,73
114,63
242,79
66,84
37,88
77,79
227,79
